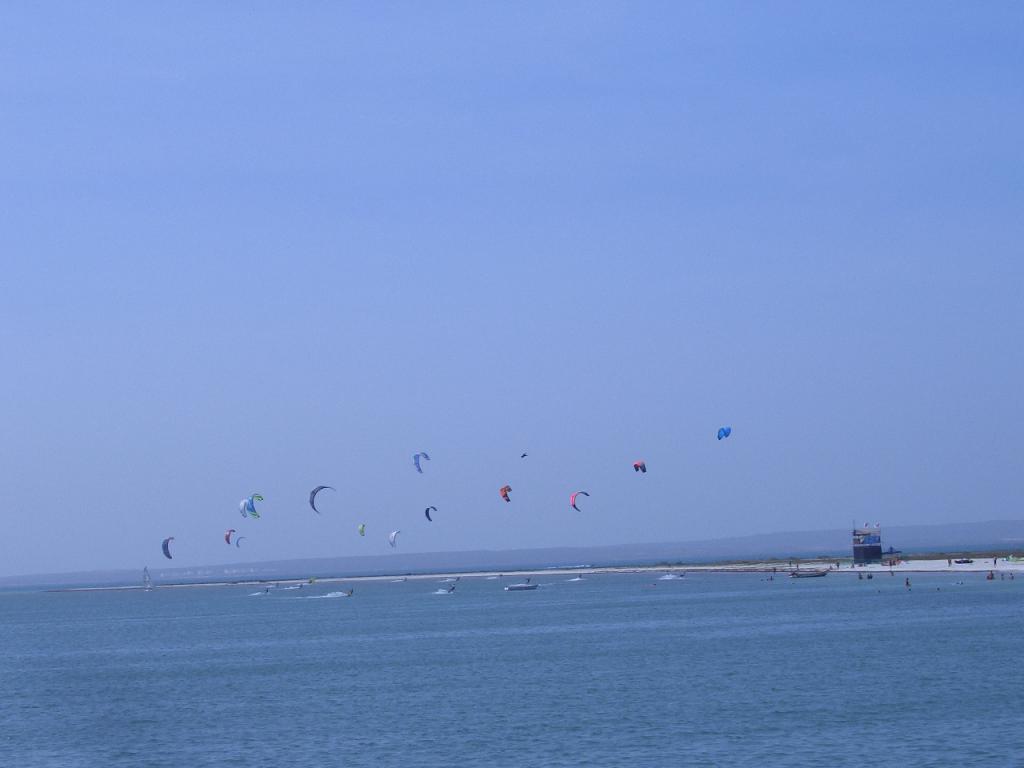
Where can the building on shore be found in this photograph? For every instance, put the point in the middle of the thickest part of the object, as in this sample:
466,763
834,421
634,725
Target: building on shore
867,544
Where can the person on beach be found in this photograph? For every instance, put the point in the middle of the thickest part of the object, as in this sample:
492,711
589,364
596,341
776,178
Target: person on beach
906,582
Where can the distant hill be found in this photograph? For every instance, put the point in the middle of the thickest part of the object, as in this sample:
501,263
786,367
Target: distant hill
998,535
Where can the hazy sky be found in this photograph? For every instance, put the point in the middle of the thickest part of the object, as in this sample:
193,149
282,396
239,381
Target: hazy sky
262,246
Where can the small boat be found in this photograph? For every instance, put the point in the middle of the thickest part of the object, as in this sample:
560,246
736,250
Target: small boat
147,580
523,587
963,561
807,574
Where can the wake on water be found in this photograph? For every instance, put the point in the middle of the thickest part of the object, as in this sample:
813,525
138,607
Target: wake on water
324,597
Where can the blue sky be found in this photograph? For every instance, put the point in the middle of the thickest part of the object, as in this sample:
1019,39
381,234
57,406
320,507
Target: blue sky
255,247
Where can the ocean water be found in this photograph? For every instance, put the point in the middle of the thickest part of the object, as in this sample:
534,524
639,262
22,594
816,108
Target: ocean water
623,670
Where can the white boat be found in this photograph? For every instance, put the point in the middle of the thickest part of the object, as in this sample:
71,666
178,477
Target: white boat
147,580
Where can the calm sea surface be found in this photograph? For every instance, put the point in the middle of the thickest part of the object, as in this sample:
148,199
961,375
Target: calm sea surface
714,669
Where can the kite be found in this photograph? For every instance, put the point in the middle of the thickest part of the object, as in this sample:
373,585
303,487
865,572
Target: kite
416,460
572,499
314,492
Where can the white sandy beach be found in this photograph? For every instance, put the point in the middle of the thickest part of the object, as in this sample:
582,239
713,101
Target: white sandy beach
914,565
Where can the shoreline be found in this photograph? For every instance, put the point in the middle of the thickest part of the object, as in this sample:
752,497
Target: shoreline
783,568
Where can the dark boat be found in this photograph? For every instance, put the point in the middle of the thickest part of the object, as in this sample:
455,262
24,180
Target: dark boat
807,574
524,587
